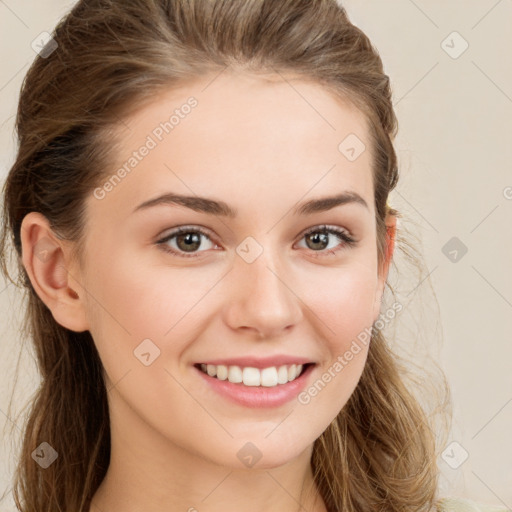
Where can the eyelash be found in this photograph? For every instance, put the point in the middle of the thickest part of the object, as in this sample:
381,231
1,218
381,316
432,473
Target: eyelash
348,241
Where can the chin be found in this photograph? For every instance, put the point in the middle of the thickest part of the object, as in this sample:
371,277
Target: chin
267,455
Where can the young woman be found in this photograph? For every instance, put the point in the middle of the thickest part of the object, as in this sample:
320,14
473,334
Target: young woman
199,207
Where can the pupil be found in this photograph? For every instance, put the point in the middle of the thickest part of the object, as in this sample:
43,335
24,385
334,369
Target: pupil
190,240
319,236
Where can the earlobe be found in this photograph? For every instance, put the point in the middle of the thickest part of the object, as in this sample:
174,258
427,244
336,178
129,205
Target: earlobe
46,260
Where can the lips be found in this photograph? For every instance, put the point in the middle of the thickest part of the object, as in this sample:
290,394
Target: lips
253,395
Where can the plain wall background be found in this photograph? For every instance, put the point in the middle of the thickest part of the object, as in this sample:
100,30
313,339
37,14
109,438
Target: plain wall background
455,154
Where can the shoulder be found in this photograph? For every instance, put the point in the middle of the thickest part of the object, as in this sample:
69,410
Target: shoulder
452,504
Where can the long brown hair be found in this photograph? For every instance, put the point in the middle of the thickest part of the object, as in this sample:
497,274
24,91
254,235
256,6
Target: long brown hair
112,56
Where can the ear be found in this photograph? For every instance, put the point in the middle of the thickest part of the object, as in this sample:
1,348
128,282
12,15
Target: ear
391,221
47,260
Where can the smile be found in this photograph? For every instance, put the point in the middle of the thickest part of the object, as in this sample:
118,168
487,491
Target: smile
249,376
253,387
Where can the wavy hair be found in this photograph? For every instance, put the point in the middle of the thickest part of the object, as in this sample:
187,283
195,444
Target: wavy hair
380,452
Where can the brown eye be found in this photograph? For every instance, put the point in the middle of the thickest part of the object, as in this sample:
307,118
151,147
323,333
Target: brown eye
187,241
318,240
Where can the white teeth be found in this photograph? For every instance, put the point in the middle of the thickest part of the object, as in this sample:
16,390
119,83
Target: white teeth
249,376
235,374
282,375
222,372
269,377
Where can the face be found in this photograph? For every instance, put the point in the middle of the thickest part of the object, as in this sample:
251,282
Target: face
264,282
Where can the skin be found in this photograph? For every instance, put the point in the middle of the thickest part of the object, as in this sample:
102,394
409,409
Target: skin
257,145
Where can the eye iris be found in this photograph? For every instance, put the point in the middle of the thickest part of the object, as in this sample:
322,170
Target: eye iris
192,241
315,237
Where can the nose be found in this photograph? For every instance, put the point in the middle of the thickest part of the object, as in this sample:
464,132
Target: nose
261,300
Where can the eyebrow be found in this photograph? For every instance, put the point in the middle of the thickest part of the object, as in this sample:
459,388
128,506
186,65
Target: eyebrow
214,207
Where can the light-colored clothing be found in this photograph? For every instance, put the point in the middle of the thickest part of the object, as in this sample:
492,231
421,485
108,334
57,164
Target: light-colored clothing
453,504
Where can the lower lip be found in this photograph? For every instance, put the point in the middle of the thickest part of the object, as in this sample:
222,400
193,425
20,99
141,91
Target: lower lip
258,396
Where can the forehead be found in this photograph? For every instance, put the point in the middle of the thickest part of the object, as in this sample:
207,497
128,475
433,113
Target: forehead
242,133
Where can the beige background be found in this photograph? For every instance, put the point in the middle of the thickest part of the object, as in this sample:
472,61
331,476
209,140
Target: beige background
455,152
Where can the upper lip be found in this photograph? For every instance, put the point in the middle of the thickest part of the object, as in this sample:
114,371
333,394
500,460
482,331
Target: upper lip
259,362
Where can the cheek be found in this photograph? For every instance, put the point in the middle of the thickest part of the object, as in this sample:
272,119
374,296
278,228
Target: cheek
344,303
132,301
142,298
126,304
346,313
